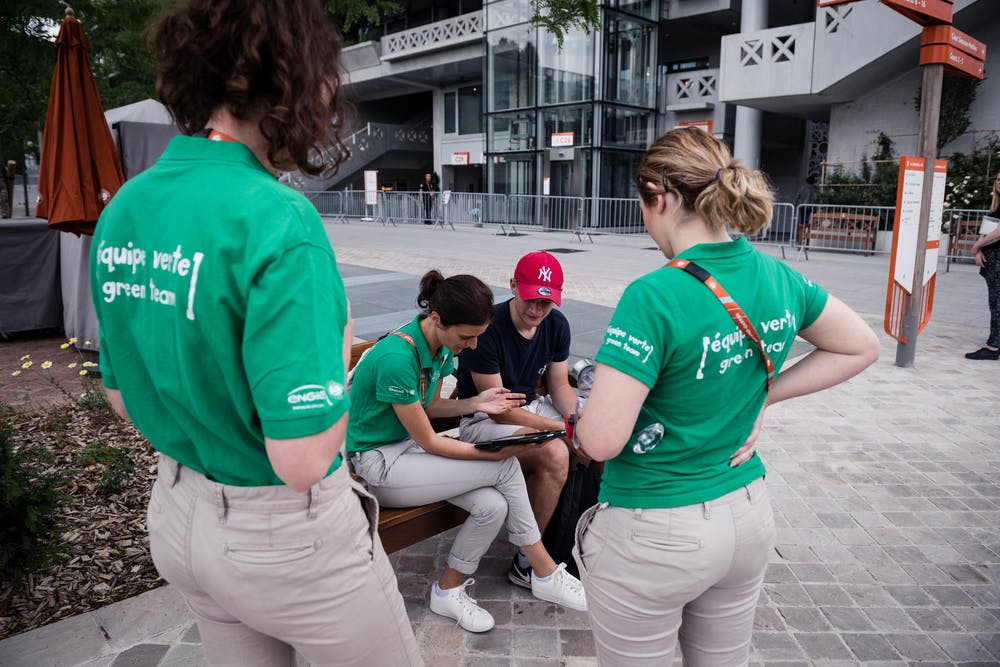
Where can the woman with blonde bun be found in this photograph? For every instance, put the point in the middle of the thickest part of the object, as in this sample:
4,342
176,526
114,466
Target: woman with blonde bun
675,551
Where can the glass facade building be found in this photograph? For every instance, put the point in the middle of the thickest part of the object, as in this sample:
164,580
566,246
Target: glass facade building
572,121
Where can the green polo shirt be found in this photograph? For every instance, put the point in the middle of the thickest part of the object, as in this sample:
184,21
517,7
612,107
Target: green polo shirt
707,381
390,375
221,310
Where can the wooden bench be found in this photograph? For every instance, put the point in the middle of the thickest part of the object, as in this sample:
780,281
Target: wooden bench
405,526
846,228
961,238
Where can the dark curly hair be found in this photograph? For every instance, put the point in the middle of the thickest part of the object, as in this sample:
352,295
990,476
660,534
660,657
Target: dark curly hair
277,59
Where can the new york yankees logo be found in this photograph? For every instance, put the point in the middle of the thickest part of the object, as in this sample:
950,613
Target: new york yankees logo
545,273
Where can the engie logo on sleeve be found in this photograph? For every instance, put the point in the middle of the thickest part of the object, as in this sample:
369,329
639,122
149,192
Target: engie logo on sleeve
312,396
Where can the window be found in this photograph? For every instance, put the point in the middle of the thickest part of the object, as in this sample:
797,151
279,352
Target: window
512,131
567,74
449,113
512,64
470,110
629,61
628,127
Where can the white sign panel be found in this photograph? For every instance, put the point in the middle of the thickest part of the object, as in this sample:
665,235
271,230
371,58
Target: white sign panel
908,220
371,188
937,212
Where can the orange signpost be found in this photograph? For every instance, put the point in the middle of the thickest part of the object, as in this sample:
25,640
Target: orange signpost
924,12
959,53
947,34
906,235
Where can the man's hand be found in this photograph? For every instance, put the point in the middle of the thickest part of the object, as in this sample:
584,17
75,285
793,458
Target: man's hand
749,446
980,258
497,400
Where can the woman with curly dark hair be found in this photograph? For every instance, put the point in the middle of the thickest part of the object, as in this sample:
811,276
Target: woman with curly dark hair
225,337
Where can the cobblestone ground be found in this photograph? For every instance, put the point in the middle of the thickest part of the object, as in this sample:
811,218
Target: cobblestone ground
886,492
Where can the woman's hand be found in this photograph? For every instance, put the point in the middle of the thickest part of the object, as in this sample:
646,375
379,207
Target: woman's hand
749,446
497,400
979,258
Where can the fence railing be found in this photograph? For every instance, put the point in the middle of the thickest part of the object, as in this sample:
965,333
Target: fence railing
849,229
962,225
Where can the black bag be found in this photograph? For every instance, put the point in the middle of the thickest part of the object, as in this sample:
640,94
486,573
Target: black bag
578,495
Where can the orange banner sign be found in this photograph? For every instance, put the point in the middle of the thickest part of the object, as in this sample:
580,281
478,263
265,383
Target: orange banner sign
948,35
924,12
954,61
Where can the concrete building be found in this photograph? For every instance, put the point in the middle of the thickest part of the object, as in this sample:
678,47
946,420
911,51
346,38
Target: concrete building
474,92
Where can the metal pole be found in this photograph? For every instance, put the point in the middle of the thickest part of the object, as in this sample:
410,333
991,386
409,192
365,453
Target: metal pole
24,185
930,113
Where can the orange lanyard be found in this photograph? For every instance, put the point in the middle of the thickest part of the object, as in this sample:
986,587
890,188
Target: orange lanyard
423,376
215,135
742,321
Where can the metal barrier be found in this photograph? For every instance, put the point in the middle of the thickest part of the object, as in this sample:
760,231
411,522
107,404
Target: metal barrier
864,229
780,231
328,203
962,225
475,208
613,216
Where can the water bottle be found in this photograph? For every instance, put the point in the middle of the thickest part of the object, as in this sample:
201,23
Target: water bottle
646,438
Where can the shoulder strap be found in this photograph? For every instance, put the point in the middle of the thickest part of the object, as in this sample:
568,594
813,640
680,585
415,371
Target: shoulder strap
423,377
733,308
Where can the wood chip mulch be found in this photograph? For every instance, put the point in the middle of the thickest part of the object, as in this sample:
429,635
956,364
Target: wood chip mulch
106,550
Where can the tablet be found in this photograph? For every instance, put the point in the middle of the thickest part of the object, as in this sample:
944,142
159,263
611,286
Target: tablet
520,439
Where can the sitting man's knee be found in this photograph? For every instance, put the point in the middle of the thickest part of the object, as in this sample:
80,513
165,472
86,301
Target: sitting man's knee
557,458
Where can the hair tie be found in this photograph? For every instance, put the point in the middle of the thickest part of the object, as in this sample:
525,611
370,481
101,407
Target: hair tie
718,172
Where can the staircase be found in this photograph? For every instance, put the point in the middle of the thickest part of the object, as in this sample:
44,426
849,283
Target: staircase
366,145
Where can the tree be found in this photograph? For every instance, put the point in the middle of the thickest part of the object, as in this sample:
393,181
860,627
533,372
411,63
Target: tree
957,95
562,16
27,58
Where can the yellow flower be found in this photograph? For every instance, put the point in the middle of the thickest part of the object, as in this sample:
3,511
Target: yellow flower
46,364
27,364
83,372
87,342
72,341
15,374
72,365
89,364
27,356
64,346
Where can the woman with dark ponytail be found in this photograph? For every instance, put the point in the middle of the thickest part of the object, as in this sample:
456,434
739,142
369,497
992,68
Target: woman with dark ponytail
395,391
675,551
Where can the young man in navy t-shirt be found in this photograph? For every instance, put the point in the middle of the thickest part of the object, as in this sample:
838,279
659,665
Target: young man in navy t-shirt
528,338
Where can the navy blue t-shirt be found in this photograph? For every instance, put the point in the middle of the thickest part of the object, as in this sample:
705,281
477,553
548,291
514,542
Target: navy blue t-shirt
519,361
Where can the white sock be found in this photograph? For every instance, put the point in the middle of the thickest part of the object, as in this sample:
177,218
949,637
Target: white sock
537,578
441,592
522,562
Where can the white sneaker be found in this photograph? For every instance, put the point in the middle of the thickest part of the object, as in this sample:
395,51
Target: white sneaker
462,608
560,587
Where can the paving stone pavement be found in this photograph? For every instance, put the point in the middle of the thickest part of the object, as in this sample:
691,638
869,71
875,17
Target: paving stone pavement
886,492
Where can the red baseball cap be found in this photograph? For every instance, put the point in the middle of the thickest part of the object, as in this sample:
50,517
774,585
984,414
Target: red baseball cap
539,276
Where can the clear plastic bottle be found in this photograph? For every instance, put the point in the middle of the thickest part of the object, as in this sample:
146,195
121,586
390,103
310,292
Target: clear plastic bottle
647,434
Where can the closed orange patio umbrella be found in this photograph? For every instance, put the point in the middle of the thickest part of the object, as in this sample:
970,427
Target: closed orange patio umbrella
79,171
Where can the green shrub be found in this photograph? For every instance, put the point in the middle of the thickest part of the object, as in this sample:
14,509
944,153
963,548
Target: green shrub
29,505
875,185
117,466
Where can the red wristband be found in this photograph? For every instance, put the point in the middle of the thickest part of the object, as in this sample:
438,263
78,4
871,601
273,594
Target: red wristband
570,424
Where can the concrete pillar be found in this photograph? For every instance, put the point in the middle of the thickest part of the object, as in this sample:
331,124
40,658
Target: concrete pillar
746,142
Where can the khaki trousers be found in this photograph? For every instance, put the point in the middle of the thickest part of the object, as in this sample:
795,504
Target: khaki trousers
268,571
689,575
